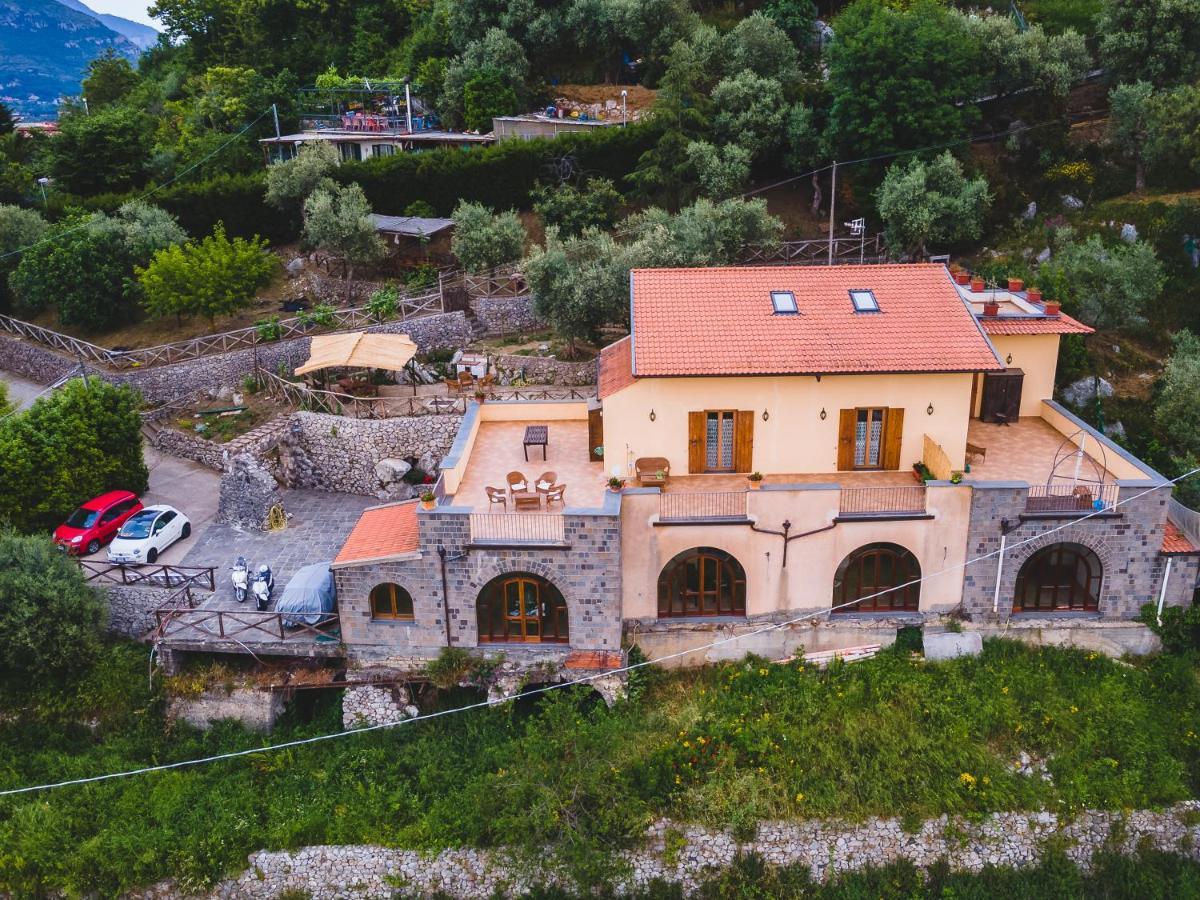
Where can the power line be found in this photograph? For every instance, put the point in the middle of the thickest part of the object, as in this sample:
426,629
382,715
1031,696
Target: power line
300,742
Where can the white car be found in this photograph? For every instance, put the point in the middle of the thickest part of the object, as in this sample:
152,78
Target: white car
147,534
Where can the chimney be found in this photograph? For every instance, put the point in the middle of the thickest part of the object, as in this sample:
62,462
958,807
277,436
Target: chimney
977,285
1015,285
1052,307
1034,295
991,308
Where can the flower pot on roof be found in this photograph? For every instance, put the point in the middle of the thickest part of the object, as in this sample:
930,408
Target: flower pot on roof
1052,307
977,285
962,277
615,484
428,500
991,308
755,479
1034,295
1016,284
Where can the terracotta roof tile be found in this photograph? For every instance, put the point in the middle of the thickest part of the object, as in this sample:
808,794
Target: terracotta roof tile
720,321
1175,542
616,367
1060,324
380,532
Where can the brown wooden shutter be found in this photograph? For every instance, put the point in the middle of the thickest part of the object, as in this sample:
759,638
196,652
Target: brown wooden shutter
893,431
595,434
695,443
743,440
845,458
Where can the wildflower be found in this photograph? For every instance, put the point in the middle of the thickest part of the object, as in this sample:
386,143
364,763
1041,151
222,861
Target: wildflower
763,672
799,798
687,744
967,780
678,780
1074,709
1004,690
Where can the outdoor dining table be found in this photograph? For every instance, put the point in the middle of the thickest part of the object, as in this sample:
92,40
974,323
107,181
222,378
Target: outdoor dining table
535,435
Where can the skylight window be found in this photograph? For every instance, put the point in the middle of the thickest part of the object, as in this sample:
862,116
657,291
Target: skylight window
784,302
864,301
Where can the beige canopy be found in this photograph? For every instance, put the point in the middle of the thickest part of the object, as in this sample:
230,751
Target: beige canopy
360,351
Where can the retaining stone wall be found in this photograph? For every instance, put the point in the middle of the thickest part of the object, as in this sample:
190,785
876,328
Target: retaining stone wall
1128,546
506,315
372,704
32,361
131,609
255,709
247,493
190,446
827,847
545,370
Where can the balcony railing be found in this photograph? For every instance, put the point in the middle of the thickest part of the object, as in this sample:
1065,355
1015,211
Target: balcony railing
897,500
1071,499
517,528
705,506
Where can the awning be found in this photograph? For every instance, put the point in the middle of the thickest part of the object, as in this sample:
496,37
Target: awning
359,350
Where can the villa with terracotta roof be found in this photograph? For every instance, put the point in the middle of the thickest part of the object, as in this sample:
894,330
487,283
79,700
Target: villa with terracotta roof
856,447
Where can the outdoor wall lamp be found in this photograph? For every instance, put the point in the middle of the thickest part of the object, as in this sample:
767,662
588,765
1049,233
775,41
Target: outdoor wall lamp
766,415
929,410
652,416
823,414
1008,359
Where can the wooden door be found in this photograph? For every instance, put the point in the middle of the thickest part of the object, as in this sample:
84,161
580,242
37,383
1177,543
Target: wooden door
893,435
595,434
522,610
869,437
695,442
1002,396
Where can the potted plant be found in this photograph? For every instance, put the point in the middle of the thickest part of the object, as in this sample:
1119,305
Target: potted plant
428,500
755,479
962,277
1015,285
1034,295
956,477
991,308
1052,307
977,285
480,395
615,484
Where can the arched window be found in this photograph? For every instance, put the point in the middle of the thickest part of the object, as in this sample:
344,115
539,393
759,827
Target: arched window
1059,577
872,569
522,608
702,581
390,601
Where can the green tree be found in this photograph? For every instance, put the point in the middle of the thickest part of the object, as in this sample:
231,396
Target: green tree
495,53
338,220
7,122
796,17
484,239
1177,409
579,283
931,203
1012,59
572,209
19,228
750,112
1107,286
900,79
702,234
71,445
1150,40
1129,125
487,95
290,183
1173,129
104,152
50,618
757,44
213,277
721,171
109,79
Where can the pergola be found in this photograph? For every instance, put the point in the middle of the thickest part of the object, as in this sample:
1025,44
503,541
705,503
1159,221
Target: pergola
359,351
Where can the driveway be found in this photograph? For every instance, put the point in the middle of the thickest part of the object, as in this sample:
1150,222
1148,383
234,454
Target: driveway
191,488
22,391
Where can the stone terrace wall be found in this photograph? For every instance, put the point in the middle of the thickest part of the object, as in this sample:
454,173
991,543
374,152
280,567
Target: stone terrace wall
32,361
826,846
131,609
506,315
544,370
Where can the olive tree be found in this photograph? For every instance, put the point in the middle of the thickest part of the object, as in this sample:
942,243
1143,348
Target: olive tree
484,239
924,203
337,219
1107,286
290,183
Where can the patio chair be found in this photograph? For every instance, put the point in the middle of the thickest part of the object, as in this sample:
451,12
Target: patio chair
488,381
545,482
466,380
517,483
976,450
652,471
555,495
497,495
453,385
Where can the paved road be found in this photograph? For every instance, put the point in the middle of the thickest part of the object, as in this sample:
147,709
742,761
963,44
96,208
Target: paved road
21,390
191,488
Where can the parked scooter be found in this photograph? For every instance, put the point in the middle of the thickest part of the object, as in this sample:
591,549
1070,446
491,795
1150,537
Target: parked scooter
264,584
241,579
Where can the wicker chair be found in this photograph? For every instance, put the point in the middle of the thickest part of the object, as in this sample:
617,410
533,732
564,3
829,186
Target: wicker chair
517,483
497,495
652,471
545,482
555,495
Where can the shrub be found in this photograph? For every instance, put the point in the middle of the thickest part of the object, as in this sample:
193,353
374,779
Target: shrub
1179,629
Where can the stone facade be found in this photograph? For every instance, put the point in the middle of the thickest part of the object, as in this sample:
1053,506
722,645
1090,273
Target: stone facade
255,709
370,705
1128,544
544,370
827,847
506,315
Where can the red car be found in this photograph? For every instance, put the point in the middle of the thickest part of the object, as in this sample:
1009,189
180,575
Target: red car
96,522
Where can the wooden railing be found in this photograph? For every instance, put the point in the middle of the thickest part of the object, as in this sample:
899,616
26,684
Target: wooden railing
429,303
247,625
503,281
882,501
1071,499
149,575
705,506
846,251
517,528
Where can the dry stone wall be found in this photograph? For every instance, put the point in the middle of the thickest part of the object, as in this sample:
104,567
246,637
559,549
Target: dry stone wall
32,361
544,370
827,847
506,315
131,609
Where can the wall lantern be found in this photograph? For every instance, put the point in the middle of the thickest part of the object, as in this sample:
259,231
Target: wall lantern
766,415
652,416
1008,359
929,410
823,414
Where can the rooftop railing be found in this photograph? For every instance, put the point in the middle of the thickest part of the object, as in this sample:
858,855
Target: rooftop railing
1071,499
702,506
517,528
894,500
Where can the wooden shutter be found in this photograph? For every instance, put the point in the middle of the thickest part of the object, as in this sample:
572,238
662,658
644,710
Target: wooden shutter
743,441
893,431
845,457
595,435
695,443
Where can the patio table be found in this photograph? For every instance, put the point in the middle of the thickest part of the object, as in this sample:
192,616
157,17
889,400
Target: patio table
535,435
526,500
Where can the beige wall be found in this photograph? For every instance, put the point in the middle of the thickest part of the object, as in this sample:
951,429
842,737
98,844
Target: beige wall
807,583
1117,465
794,439
533,410
1037,356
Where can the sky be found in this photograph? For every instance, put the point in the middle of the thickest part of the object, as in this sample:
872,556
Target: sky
128,9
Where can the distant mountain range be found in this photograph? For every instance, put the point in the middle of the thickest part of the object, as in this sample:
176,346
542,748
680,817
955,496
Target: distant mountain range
46,45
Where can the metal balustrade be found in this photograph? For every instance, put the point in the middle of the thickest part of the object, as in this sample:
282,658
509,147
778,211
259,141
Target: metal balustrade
517,528
1071,499
702,506
882,501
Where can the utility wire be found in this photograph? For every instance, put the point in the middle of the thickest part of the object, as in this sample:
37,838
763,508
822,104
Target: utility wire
300,742
149,193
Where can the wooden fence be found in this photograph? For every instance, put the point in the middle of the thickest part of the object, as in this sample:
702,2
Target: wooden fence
503,281
148,575
244,625
846,251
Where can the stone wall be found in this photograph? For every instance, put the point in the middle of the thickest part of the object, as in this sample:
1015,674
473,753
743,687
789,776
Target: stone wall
247,493
33,361
545,370
827,847
131,609
1127,543
376,704
506,315
335,453
255,709
186,445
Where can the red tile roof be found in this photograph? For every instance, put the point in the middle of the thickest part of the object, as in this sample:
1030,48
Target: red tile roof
1176,543
382,532
1060,324
720,321
616,367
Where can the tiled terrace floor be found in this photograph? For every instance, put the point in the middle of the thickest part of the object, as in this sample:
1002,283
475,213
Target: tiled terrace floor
498,451
1026,451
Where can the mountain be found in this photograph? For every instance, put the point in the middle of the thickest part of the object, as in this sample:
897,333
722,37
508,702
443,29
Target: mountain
141,36
45,48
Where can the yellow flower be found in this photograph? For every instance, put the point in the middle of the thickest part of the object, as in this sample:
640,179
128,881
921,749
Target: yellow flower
763,672
1004,690
799,798
968,780
1074,709
678,780
687,743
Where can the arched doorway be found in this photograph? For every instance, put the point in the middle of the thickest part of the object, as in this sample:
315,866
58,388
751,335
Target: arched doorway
1059,577
872,569
522,608
703,581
